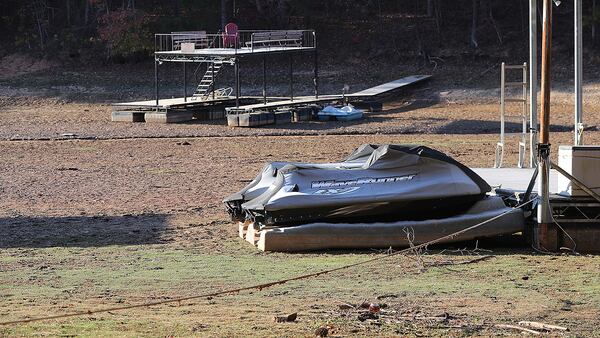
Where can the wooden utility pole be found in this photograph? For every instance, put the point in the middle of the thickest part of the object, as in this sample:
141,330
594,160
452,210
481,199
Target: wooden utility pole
546,235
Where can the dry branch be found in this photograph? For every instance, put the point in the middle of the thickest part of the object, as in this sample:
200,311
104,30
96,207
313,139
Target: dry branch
474,260
542,326
516,327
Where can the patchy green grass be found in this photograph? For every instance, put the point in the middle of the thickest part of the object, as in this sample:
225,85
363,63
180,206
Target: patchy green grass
510,287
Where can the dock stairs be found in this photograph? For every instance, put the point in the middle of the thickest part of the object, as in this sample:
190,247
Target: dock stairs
520,117
207,83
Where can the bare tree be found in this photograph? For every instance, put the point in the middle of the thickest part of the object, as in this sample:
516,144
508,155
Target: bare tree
594,18
474,20
39,9
492,21
223,13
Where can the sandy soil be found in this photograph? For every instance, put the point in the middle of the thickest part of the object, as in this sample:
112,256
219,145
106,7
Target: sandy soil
86,205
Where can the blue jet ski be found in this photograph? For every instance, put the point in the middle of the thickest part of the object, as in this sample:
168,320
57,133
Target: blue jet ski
345,113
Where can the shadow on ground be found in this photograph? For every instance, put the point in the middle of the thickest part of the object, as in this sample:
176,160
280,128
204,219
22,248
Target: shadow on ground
324,126
487,127
82,231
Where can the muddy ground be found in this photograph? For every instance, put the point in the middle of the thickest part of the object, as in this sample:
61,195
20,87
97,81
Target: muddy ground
96,214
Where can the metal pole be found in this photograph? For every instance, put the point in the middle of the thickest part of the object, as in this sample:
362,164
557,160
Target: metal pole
264,92
291,77
533,82
546,62
237,83
316,75
578,73
184,82
502,107
547,236
523,143
156,81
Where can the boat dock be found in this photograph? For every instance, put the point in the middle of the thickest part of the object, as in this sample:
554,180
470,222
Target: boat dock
368,94
182,108
210,54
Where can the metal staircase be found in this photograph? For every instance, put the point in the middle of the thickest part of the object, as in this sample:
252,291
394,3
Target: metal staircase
521,117
206,85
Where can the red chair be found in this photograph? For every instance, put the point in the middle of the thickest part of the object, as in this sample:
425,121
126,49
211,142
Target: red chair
230,36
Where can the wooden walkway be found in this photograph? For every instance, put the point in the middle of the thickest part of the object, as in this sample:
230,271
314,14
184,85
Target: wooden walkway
180,102
390,86
171,103
367,93
301,100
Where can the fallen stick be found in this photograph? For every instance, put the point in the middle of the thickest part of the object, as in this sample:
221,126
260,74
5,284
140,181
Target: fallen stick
515,327
542,326
474,260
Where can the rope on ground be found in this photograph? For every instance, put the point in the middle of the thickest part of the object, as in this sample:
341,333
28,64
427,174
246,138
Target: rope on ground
260,287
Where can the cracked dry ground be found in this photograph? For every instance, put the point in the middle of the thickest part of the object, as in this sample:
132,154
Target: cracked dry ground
135,216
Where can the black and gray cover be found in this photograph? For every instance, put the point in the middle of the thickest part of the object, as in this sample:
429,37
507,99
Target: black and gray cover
268,174
395,182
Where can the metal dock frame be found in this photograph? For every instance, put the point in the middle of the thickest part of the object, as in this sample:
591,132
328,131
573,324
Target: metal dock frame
521,117
214,50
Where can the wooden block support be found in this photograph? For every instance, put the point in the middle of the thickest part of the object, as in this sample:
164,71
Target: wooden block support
168,117
242,229
252,234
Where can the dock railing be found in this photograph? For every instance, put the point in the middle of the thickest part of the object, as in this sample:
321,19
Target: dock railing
254,40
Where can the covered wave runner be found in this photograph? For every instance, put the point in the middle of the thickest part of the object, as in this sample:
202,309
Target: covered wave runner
394,183
269,172
365,200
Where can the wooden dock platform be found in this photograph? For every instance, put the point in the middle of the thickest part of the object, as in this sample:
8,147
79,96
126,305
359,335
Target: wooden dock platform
302,100
368,93
181,102
514,178
179,109
233,52
389,87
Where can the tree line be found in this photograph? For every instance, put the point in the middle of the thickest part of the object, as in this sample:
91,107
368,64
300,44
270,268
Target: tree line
124,28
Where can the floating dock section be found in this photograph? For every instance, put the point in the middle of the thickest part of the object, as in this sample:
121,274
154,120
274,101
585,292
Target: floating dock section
389,88
578,217
383,235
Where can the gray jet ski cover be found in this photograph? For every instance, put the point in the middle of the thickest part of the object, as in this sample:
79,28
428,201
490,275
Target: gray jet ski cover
268,174
396,182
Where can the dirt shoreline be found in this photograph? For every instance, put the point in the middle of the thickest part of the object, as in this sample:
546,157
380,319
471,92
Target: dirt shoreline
118,213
